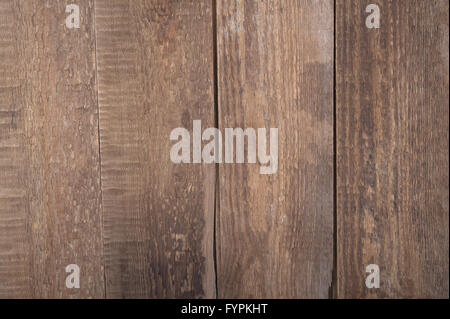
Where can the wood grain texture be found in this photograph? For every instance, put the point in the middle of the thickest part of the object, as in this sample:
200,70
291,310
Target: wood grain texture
155,70
49,165
106,196
392,149
275,69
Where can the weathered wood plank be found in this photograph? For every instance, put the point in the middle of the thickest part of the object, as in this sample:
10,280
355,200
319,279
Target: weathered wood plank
392,148
49,168
155,71
275,69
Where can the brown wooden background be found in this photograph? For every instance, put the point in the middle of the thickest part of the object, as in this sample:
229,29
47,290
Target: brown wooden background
86,178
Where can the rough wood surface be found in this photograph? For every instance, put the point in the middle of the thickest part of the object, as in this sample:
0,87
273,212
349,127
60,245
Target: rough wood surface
155,71
275,69
392,148
49,165
105,195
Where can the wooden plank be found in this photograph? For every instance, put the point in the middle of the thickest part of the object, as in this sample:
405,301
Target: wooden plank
392,149
155,71
275,70
49,168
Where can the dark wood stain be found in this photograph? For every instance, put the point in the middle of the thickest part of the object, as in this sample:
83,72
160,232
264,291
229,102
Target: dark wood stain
392,149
